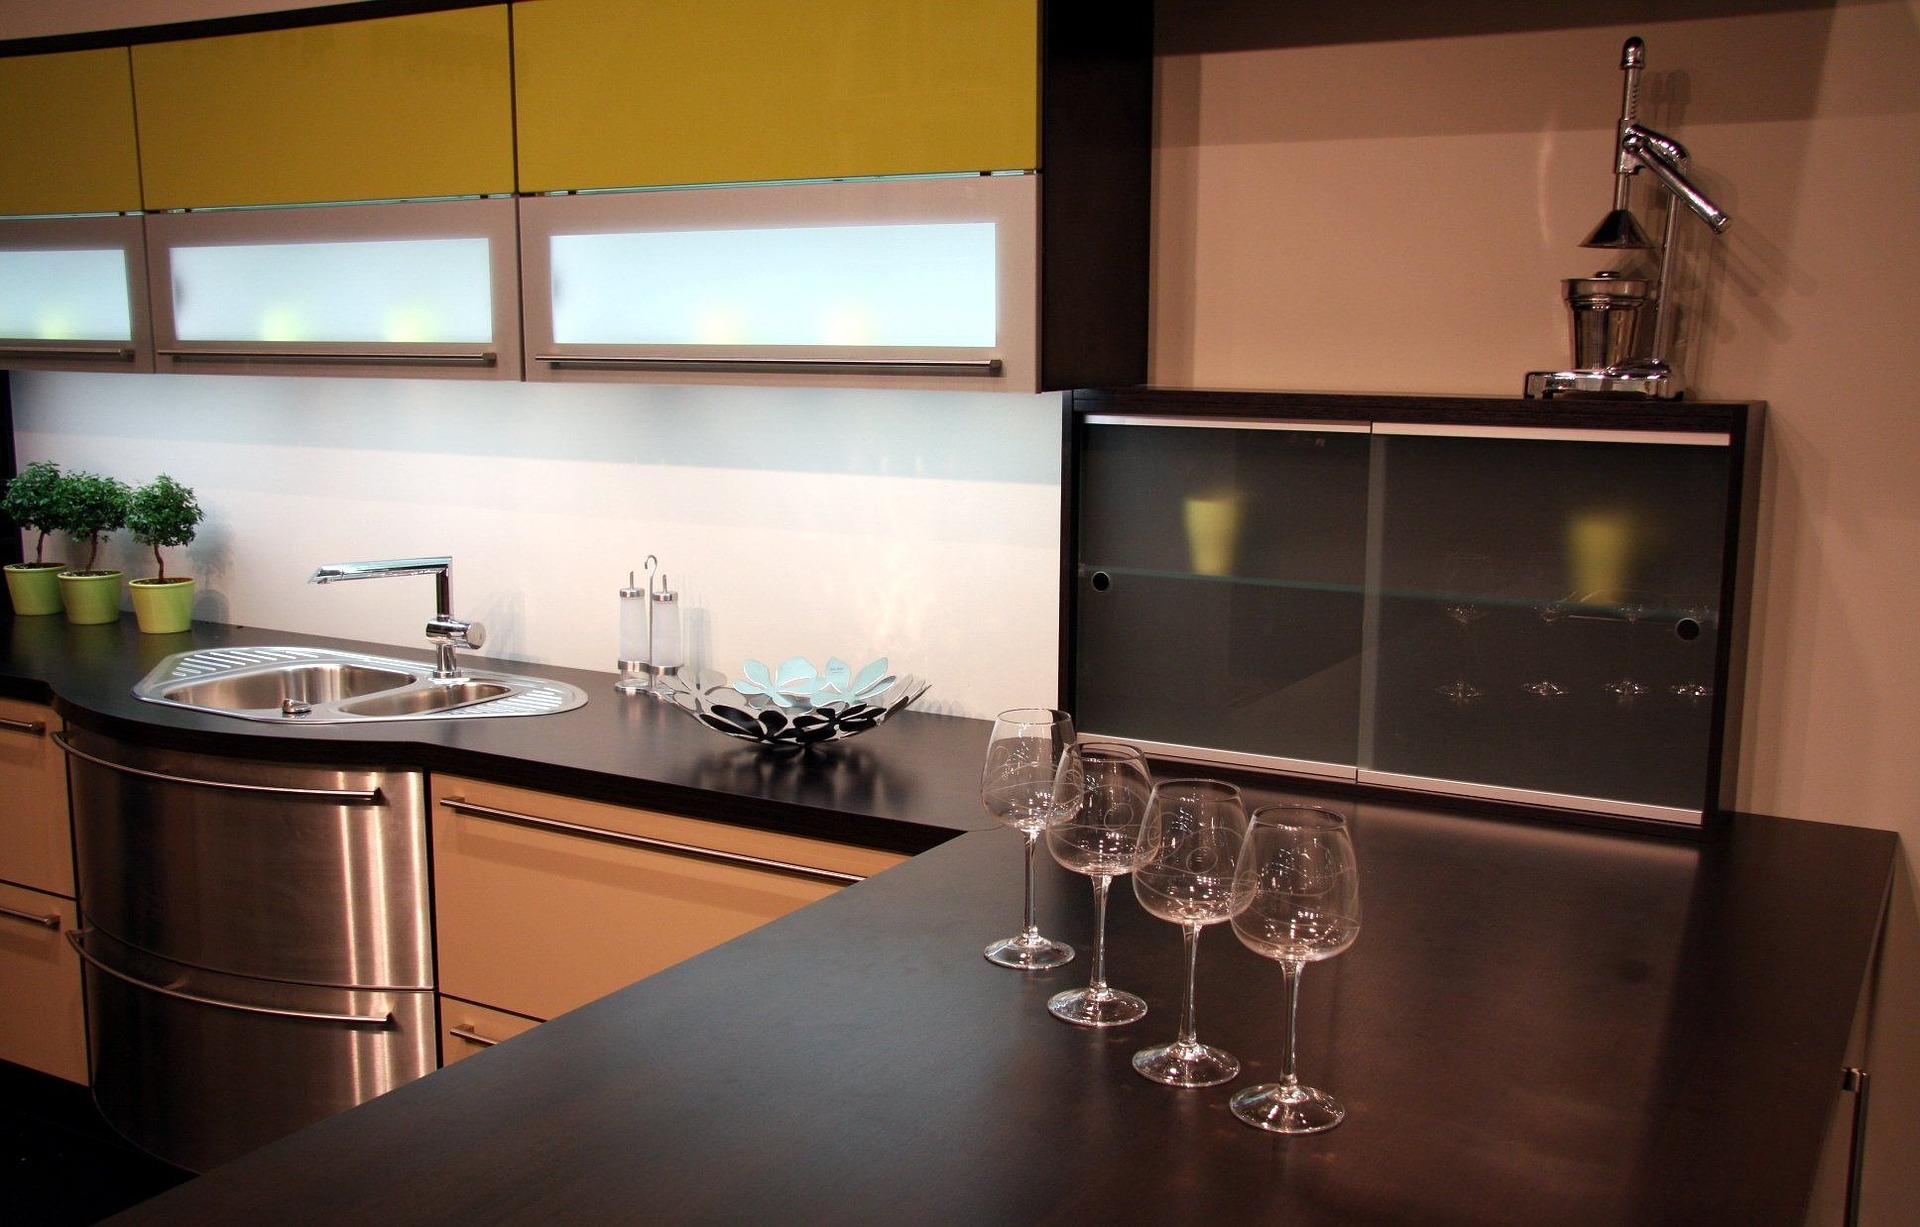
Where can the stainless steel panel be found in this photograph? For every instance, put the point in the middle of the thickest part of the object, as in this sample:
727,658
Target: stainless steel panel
282,886
205,1067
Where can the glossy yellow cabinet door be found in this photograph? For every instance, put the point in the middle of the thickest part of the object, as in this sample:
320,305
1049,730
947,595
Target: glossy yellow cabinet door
614,93
66,134
392,108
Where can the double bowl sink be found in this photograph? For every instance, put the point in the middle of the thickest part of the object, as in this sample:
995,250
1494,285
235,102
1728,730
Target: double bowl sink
307,685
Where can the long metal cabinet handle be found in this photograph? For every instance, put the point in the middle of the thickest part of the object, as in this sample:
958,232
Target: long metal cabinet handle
833,876
33,728
1856,1081
477,358
75,937
357,796
111,353
879,366
49,922
466,1032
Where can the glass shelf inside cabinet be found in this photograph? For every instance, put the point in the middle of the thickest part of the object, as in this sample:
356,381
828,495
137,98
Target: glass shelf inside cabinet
1546,617
1220,587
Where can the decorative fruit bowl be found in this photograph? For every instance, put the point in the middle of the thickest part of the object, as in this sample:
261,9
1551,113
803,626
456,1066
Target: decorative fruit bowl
795,706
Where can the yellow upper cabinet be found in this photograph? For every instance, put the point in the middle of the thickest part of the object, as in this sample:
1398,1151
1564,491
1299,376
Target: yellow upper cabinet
626,93
66,134
390,108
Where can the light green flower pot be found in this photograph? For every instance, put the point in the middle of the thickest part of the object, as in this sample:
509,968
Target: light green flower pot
91,597
33,587
162,606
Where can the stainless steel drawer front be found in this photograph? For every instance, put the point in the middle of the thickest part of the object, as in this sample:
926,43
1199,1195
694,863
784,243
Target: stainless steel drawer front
309,874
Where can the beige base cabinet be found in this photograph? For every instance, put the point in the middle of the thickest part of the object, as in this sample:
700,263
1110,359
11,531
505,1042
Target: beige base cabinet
42,1022
543,903
466,1028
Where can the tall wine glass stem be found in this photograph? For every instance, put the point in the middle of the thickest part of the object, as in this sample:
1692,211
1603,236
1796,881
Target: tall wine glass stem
1188,1034
1098,985
1029,931
1291,970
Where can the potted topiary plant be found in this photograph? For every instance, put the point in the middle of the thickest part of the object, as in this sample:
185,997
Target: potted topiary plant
32,502
92,506
163,513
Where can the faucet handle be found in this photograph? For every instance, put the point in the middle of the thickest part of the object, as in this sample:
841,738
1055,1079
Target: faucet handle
456,633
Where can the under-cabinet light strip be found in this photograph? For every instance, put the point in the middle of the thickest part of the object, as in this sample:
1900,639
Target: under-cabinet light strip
1557,434
1302,424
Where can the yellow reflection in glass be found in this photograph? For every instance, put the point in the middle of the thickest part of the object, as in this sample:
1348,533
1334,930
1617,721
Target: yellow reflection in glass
282,322
411,323
57,324
720,324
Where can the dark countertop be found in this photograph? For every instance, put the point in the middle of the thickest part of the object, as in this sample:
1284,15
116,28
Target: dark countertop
1539,1024
886,788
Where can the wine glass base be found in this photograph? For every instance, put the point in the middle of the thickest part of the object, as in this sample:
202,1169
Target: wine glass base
1179,1064
1024,953
1086,1007
1545,689
1279,1108
1461,691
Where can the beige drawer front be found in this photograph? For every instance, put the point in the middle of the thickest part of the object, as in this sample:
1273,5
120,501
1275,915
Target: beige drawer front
539,919
466,1028
35,847
42,1022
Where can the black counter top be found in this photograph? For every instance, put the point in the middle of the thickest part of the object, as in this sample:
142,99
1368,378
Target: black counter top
1539,1024
889,788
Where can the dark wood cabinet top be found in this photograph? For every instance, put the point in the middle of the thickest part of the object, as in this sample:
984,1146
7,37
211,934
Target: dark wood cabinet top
1539,1024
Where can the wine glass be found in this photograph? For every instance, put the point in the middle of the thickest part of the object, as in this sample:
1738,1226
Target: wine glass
1103,839
1301,895
1031,781
1633,605
1548,578
1464,603
1194,831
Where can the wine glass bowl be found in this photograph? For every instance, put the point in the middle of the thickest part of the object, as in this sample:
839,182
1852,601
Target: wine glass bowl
1463,600
1031,780
1194,832
1300,903
1103,839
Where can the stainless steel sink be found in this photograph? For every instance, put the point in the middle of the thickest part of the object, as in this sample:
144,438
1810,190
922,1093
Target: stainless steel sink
302,685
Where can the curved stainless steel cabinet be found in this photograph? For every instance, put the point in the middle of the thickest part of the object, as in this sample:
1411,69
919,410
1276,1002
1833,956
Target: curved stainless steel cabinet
256,938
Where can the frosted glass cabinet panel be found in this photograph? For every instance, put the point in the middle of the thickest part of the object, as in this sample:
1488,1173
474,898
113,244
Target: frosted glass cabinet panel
73,295
920,282
400,289
1219,588
1536,604
1547,615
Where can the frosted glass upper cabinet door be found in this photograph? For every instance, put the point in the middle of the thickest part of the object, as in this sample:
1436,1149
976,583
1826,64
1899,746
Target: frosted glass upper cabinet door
918,282
66,134
390,108
427,288
73,295
614,93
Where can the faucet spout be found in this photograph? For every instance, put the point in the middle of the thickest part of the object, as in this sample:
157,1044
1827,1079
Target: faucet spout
445,631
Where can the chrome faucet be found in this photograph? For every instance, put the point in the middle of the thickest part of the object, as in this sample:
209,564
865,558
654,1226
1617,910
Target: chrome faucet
445,632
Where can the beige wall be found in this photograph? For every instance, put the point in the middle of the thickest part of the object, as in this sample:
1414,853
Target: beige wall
1342,210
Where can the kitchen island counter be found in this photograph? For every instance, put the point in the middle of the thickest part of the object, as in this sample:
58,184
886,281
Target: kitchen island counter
1537,1025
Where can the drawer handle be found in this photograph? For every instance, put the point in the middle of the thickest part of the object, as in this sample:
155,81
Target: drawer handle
75,937
35,918
355,795
832,876
876,366
32,728
373,357
466,1032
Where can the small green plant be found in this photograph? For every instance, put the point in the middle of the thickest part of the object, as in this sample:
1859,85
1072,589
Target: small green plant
32,501
91,506
163,512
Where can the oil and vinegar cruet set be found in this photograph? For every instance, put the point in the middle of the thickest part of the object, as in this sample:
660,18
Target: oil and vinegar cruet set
1623,324
652,647
1283,876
